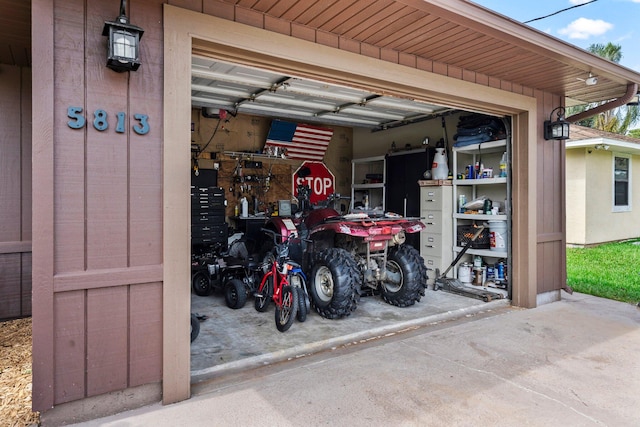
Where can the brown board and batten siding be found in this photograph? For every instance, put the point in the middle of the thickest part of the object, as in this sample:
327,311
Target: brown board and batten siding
104,251
15,192
550,205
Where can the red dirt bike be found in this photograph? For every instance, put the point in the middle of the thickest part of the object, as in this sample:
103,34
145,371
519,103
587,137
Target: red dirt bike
347,254
284,283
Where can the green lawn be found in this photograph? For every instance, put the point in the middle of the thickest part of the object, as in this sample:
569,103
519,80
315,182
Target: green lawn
610,271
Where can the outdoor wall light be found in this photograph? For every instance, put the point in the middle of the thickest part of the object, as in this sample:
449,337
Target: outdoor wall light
123,42
558,129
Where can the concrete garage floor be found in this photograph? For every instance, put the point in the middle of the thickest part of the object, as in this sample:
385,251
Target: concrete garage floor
235,340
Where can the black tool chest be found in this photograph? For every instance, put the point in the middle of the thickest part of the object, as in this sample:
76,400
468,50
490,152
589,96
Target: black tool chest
208,226
207,216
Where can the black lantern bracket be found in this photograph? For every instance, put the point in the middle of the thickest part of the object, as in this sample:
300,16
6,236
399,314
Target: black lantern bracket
123,42
556,130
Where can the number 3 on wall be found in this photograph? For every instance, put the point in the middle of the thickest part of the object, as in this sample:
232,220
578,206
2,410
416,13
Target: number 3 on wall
101,123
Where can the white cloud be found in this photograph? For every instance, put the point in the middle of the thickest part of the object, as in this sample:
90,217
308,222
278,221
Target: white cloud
583,28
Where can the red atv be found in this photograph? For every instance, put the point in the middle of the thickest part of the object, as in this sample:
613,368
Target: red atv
345,255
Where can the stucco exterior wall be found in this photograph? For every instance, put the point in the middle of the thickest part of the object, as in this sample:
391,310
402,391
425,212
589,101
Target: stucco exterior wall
576,196
602,224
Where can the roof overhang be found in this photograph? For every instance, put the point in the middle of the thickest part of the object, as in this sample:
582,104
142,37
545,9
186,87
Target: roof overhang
606,144
457,33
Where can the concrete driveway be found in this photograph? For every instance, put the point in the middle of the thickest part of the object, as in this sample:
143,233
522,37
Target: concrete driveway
573,362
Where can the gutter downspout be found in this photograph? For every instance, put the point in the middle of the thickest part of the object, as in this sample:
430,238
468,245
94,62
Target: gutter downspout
632,89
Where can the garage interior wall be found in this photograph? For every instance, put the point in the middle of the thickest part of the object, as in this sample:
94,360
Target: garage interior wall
15,192
245,133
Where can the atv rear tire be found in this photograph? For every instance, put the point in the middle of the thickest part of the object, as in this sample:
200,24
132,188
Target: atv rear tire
407,266
201,283
335,283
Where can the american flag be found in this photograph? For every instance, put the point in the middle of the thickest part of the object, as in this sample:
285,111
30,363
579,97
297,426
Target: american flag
302,141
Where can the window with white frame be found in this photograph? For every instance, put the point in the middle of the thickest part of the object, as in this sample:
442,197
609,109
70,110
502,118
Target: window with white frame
621,182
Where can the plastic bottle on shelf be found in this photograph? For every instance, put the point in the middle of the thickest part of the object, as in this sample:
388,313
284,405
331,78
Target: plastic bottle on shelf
439,168
503,165
245,207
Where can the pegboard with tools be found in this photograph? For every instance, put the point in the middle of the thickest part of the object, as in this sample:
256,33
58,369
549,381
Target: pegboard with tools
262,186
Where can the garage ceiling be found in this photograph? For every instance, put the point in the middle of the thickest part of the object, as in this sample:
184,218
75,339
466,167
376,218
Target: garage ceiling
220,85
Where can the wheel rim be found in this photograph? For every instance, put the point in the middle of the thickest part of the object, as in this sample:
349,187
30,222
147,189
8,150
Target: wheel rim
394,272
268,259
232,294
323,284
287,303
201,283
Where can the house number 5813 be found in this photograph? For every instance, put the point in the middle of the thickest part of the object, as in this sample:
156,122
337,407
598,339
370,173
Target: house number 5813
101,122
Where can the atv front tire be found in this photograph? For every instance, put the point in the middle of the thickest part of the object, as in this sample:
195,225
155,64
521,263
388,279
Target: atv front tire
407,277
335,283
235,294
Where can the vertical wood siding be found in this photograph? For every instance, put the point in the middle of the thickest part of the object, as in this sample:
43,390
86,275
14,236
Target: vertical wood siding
107,211
551,241
15,192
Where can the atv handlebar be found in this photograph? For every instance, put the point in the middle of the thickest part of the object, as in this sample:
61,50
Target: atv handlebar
276,235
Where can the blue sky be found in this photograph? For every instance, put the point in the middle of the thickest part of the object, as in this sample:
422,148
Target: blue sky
603,21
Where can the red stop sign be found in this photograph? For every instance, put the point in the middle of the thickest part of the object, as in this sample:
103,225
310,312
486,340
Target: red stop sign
320,181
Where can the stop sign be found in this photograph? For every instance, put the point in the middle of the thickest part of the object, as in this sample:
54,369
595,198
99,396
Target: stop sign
320,181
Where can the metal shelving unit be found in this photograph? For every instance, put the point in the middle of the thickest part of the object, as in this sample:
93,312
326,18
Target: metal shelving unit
495,188
363,168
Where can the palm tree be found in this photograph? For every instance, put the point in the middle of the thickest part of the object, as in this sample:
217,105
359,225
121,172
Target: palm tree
618,120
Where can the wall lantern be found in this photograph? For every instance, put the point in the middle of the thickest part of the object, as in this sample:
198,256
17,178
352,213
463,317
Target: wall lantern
123,42
558,129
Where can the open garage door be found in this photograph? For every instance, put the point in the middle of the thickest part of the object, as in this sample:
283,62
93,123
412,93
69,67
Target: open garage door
233,110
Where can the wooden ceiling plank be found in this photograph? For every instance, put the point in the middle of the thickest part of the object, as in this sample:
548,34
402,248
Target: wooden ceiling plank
359,14
448,41
425,36
409,32
375,23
